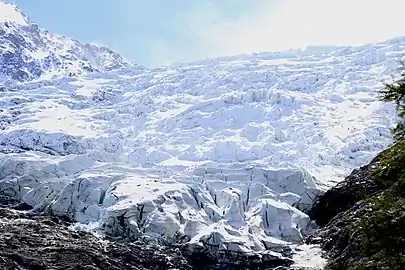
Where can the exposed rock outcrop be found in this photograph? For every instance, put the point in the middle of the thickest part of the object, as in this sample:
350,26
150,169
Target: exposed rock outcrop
45,242
362,219
356,186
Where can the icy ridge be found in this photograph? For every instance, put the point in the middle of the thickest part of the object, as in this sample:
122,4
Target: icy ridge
28,52
226,153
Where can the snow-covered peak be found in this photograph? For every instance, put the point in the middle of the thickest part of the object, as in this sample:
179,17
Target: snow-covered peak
10,13
28,52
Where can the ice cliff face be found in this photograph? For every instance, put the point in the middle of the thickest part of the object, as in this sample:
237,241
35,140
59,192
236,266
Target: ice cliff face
226,153
28,52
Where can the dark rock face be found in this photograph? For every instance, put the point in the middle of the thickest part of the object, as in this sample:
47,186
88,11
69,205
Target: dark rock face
362,219
337,211
340,238
44,242
357,186
205,258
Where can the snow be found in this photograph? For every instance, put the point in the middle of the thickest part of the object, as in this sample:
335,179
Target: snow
225,152
308,257
30,53
9,13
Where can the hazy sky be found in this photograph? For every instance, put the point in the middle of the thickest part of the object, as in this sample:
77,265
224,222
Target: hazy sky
155,32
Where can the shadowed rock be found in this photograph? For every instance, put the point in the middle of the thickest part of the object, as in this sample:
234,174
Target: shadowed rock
357,186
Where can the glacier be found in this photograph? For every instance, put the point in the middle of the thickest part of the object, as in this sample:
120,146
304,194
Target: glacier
227,153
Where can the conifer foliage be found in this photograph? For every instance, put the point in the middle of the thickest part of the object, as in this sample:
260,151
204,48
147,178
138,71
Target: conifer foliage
395,92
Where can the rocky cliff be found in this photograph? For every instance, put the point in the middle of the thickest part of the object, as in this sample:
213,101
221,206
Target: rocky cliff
362,219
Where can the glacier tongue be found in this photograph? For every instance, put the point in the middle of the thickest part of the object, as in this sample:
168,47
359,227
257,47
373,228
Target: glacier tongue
226,153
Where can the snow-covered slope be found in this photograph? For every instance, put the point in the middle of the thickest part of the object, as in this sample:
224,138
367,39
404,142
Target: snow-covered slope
228,152
28,52
10,13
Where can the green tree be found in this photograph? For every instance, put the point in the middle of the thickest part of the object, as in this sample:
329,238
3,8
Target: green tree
395,92
393,162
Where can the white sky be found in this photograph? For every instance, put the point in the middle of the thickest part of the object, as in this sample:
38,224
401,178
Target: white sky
298,23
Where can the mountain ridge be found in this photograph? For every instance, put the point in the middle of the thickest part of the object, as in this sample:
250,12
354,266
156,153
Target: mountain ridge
29,52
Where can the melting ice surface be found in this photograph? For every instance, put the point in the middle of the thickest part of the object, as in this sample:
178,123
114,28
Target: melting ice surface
229,152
